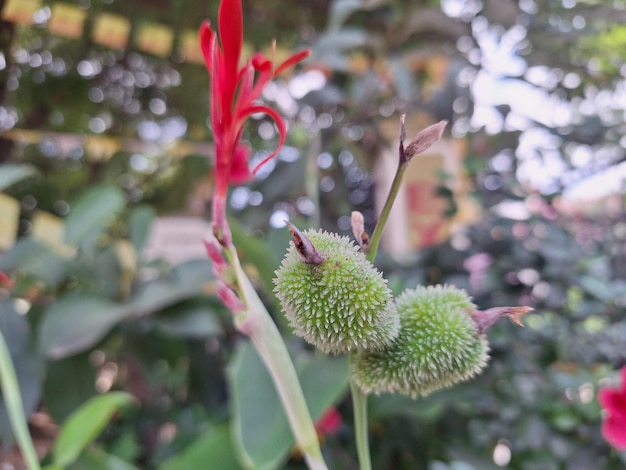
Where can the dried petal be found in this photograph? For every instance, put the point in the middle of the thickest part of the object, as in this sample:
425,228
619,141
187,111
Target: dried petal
358,230
487,318
424,140
304,247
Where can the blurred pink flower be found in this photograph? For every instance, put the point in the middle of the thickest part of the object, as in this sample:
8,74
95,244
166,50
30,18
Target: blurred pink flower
613,400
5,281
234,95
330,422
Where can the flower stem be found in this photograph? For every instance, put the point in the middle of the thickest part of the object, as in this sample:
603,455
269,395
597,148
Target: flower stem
359,399
384,215
359,405
312,182
15,408
257,323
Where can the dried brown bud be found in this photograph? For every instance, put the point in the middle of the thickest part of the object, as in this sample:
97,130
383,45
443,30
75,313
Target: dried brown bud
424,140
486,318
303,246
358,230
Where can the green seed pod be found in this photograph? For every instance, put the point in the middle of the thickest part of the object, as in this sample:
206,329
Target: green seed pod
333,296
439,344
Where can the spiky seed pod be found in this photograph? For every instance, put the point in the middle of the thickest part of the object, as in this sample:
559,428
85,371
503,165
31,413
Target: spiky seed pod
337,300
438,345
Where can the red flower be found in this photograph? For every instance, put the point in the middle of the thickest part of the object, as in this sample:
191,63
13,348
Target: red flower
330,422
234,95
5,281
613,400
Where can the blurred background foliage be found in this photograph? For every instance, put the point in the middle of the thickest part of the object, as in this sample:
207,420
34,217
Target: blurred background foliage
97,142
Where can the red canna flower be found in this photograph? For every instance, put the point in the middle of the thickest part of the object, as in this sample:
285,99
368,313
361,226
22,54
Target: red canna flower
234,95
330,422
613,400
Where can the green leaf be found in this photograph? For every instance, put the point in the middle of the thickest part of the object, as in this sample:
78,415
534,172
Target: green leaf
212,447
16,331
11,173
341,10
93,212
188,279
324,380
189,320
97,459
76,322
69,383
139,224
30,256
85,424
262,433
426,409
330,46
599,288
18,381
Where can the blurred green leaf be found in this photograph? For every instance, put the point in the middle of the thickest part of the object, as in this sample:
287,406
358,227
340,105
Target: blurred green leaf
187,279
190,319
599,288
214,447
94,210
263,436
76,322
97,459
324,380
565,419
340,11
330,47
30,256
16,332
85,424
139,223
11,173
69,382
425,408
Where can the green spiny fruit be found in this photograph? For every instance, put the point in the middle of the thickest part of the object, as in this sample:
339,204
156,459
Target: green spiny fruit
333,296
439,344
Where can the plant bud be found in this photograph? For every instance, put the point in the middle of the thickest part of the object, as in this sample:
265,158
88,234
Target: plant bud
438,345
333,296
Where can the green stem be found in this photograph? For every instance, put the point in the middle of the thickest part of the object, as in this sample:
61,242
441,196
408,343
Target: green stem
257,323
359,399
384,215
312,181
15,408
359,405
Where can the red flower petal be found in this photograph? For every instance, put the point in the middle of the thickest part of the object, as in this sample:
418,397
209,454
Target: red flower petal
206,34
614,431
613,400
239,170
294,59
280,124
260,62
234,92
231,35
